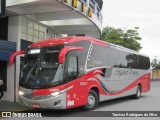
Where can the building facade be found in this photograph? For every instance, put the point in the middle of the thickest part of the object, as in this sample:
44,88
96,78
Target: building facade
29,21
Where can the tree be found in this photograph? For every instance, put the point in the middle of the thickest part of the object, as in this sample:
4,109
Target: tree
155,64
126,38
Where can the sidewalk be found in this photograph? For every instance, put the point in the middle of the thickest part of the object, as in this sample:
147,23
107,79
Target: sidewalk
11,106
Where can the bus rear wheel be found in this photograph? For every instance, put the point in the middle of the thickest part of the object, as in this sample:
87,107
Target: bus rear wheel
138,92
92,101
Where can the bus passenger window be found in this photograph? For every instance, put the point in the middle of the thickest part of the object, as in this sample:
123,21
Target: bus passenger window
72,69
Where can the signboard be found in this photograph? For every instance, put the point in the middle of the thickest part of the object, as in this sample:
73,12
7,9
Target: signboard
75,4
2,8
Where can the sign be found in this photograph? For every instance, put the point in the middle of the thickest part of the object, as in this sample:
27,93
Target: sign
77,5
90,12
2,8
83,7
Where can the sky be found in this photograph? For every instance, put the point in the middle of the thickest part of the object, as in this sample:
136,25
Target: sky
144,14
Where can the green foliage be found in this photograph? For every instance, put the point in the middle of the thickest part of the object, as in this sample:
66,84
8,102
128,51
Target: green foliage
126,38
155,64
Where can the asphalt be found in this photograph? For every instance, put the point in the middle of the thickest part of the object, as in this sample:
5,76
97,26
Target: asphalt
155,86
11,106
148,102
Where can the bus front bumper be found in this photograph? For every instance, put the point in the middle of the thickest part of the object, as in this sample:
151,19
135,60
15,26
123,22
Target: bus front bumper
51,102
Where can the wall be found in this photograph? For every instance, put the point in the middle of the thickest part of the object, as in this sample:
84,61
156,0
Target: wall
155,74
14,31
34,31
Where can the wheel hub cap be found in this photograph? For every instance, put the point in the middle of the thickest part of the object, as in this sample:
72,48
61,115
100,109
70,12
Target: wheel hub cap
91,100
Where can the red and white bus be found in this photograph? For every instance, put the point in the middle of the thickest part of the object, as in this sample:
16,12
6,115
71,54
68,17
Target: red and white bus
69,72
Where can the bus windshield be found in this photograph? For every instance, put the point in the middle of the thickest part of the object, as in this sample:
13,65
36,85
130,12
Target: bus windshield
40,68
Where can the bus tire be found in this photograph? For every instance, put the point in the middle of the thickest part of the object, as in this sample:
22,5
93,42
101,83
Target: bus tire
1,93
138,92
92,101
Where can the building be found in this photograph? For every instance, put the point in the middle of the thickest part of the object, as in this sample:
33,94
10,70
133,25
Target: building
29,21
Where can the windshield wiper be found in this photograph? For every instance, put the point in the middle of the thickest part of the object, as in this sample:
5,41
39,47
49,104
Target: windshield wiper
31,70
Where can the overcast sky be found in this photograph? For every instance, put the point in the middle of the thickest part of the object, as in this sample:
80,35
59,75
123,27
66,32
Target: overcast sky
136,13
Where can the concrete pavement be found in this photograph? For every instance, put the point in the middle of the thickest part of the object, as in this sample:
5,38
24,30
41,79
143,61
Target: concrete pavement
11,106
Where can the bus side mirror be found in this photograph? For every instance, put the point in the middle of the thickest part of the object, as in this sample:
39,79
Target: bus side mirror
64,51
11,60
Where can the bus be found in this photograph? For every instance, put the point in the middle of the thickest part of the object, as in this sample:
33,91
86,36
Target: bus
70,72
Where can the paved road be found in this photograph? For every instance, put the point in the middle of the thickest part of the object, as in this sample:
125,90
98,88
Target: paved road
148,102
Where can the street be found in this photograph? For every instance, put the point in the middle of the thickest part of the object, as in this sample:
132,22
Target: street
148,102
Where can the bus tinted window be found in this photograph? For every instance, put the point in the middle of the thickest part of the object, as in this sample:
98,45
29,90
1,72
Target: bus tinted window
106,56
116,58
121,61
82,55
72,68
111,56
138,62
124,59
97,57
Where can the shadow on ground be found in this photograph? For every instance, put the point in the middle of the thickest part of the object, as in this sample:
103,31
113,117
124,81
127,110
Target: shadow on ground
79,112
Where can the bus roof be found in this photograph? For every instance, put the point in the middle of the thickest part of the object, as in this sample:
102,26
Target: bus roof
71,39
63,40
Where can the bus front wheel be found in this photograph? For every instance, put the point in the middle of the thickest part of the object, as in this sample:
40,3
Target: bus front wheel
138,92
92,101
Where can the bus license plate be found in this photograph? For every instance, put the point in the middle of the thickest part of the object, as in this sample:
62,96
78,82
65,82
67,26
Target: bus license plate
35,105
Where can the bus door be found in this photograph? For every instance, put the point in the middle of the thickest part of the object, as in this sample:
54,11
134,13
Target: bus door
75,92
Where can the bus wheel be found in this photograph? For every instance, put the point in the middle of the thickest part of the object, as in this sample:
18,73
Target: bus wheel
92,101
1,93
138,92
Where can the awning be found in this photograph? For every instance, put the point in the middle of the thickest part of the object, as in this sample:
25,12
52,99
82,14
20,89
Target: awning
6,49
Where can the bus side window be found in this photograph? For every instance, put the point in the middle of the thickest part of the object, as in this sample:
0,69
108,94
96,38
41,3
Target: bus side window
72,69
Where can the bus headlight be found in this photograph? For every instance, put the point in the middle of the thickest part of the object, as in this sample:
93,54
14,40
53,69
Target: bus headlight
21,93
55,94
61,92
